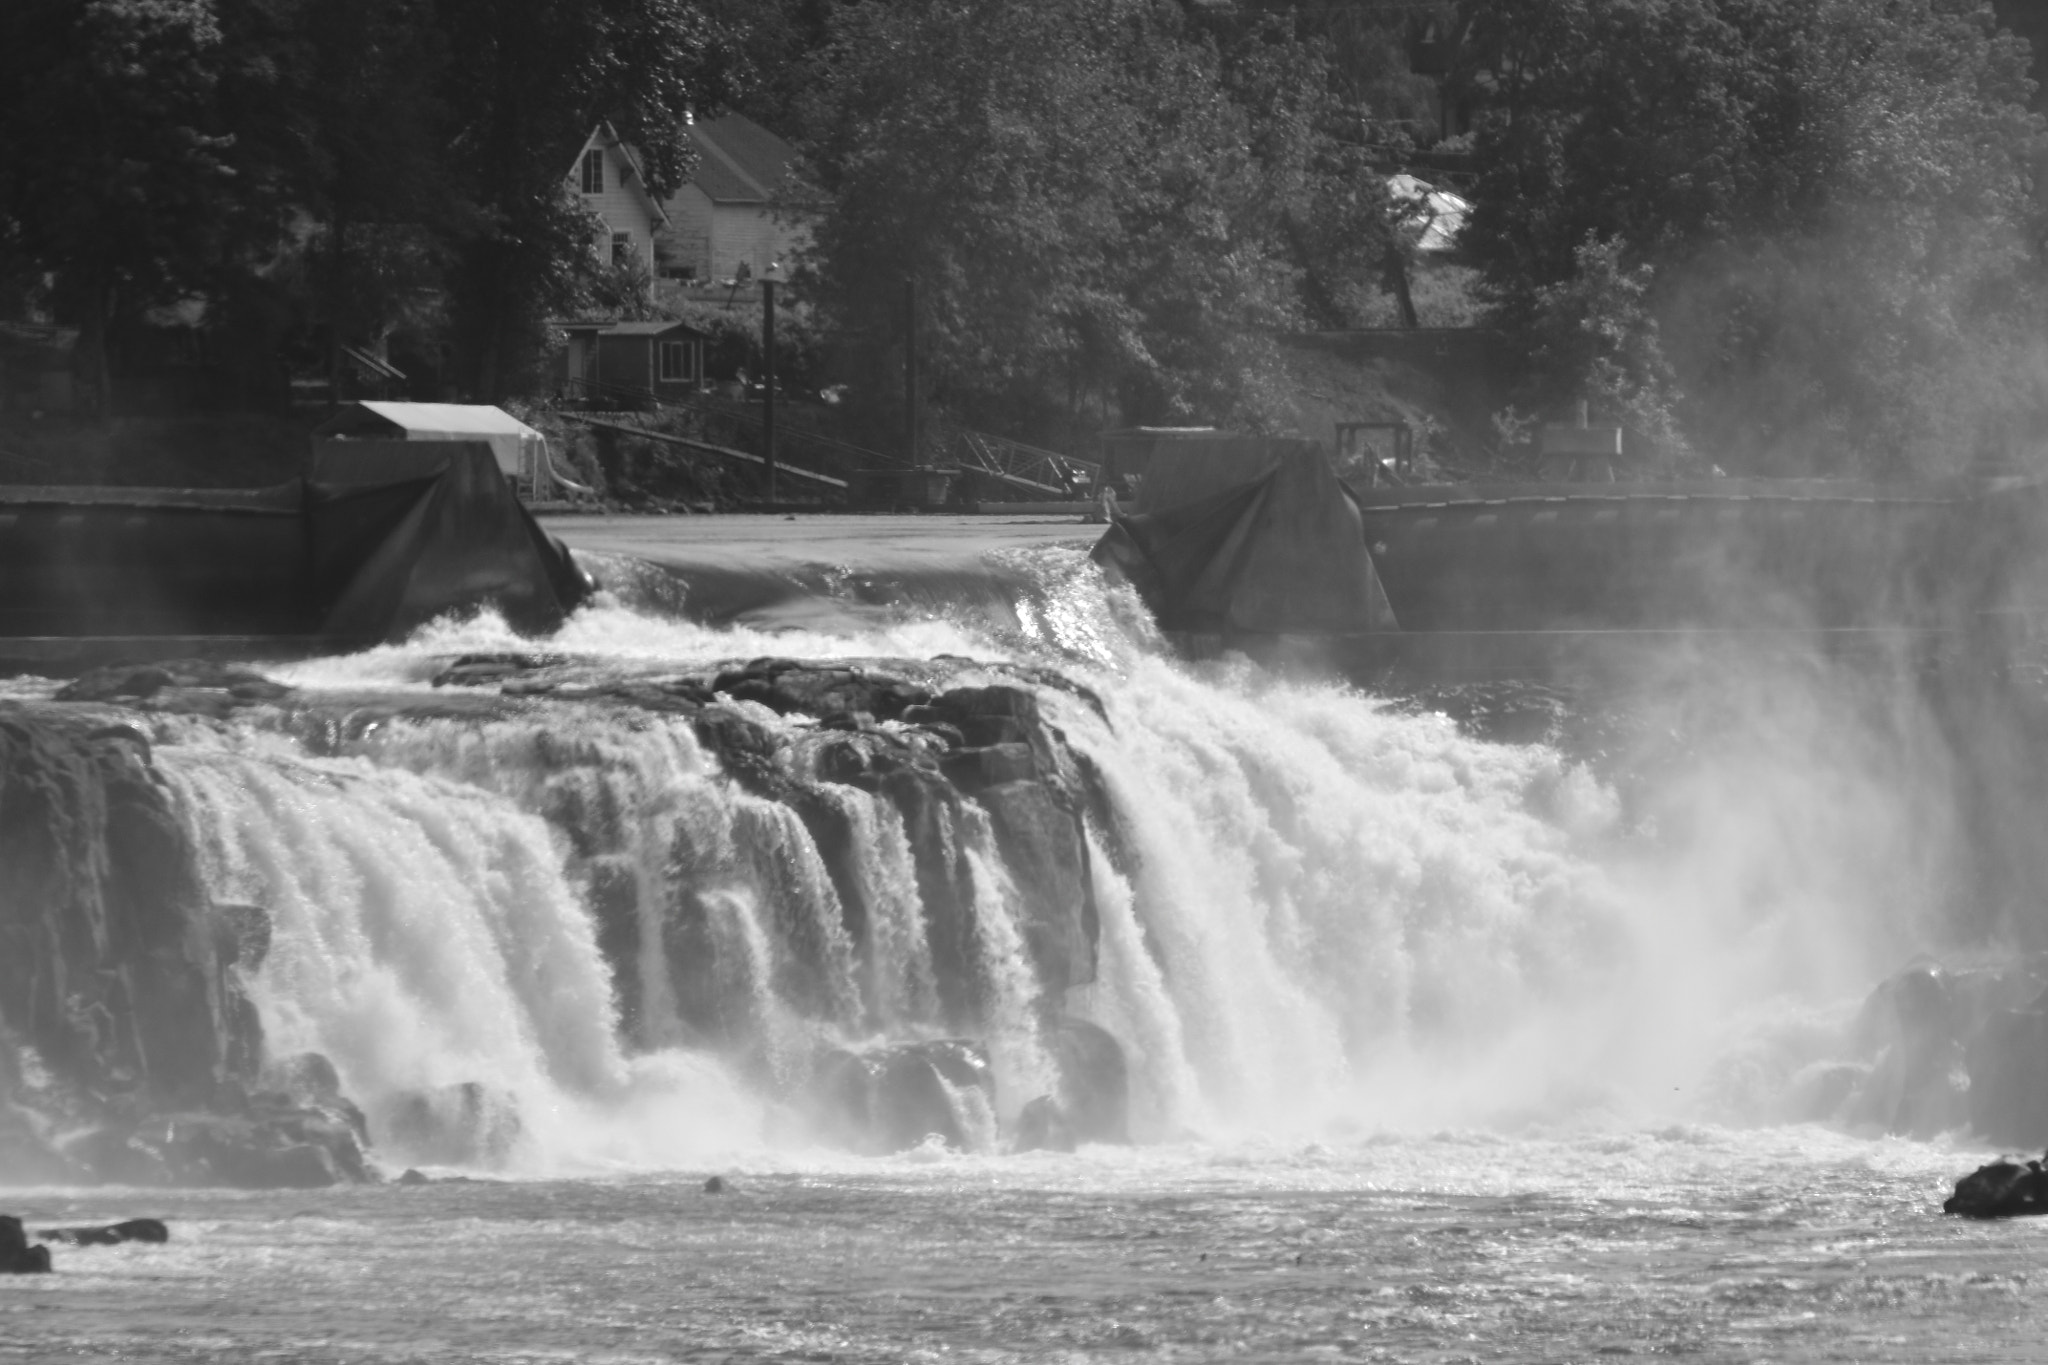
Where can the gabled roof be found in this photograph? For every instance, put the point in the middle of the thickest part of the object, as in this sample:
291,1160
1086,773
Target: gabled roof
606,136
655,328
738,161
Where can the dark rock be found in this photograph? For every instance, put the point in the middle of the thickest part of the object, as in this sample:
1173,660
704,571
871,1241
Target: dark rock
1042,1127
973,770
890,1099
2001,1189
134,1230
17,1257
309,1082
481,670
457,1125
125,993
413,1176
1095,1085
1045,849
717,1185
129,683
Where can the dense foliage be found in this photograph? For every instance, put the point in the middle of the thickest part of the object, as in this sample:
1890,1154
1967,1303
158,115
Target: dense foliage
1805,226
1100,203
338,163
1784,235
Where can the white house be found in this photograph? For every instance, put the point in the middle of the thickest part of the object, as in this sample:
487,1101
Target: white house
607,177
723,218
720,225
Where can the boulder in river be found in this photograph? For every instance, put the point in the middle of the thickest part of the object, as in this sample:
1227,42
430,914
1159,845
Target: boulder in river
2000,1189
17,1257
110,1234
1042,1126
890,1099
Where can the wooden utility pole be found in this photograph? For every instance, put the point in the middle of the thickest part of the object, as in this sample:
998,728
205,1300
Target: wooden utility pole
910,413
768,378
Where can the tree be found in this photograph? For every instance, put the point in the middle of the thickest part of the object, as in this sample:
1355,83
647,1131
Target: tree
529,81
113,164
1099,201
1832,195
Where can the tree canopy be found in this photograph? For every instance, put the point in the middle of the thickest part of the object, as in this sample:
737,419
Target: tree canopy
1096,198
1827,202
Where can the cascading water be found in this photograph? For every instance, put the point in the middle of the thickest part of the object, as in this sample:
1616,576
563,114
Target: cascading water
557,927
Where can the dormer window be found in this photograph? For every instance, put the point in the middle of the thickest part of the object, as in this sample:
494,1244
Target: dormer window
593,171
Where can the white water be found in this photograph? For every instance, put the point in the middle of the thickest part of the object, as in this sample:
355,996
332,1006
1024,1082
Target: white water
1319,915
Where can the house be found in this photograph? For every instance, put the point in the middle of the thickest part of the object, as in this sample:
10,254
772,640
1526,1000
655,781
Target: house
718,227
724,218
627,364
607,178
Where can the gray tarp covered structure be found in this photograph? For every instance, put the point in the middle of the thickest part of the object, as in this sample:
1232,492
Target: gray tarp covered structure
1281,552
362,549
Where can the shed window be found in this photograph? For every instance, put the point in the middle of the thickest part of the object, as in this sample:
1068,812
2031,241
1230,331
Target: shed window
676,366
622,247
593,171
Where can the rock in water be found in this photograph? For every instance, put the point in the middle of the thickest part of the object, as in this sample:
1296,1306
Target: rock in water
1043,1127
134,1230
1095,1082
17,1257
890,1099
2001,1189
717,1185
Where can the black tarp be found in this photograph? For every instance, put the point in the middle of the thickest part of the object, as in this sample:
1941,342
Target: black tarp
1280,553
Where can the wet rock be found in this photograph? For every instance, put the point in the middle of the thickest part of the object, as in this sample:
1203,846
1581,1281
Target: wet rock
1095,1081
1045,849
891,1099
790,685
1951,1047
483,670
2000,1189
468,1124
414,1176
131,683
127,994
110,1234
1042,1127
309,1081
17,1257
717,1184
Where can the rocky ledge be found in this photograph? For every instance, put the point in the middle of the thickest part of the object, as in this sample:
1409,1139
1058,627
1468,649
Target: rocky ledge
130,1050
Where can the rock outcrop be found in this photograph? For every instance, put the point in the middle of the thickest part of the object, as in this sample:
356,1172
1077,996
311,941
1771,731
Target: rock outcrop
109,1234
17,1257
890,1099
128,1046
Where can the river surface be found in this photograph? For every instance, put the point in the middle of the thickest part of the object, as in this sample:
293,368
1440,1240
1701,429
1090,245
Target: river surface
1784,1244
1457,1033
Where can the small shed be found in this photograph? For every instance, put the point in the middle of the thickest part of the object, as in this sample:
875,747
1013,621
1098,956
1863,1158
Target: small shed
522,452
624,363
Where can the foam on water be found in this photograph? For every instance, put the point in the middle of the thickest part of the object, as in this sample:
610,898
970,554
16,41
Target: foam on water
1319,913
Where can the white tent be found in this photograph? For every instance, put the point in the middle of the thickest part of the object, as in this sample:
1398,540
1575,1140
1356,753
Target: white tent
522,452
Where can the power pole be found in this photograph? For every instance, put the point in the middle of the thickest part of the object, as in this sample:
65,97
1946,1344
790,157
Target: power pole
768,377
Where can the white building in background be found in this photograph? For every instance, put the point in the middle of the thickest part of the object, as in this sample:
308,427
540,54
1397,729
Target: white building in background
607,177
719,225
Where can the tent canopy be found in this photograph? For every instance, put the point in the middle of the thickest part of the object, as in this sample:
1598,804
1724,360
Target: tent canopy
521,451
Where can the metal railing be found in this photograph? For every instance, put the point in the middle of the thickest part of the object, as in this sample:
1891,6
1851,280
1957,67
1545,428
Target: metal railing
1025,468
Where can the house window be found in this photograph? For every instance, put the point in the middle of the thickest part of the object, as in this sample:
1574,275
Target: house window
622,247
593,171
675,363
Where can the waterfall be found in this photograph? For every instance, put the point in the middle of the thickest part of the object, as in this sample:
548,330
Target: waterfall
623,921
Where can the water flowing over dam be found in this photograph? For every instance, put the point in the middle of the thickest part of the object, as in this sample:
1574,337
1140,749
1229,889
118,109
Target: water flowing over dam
647,892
